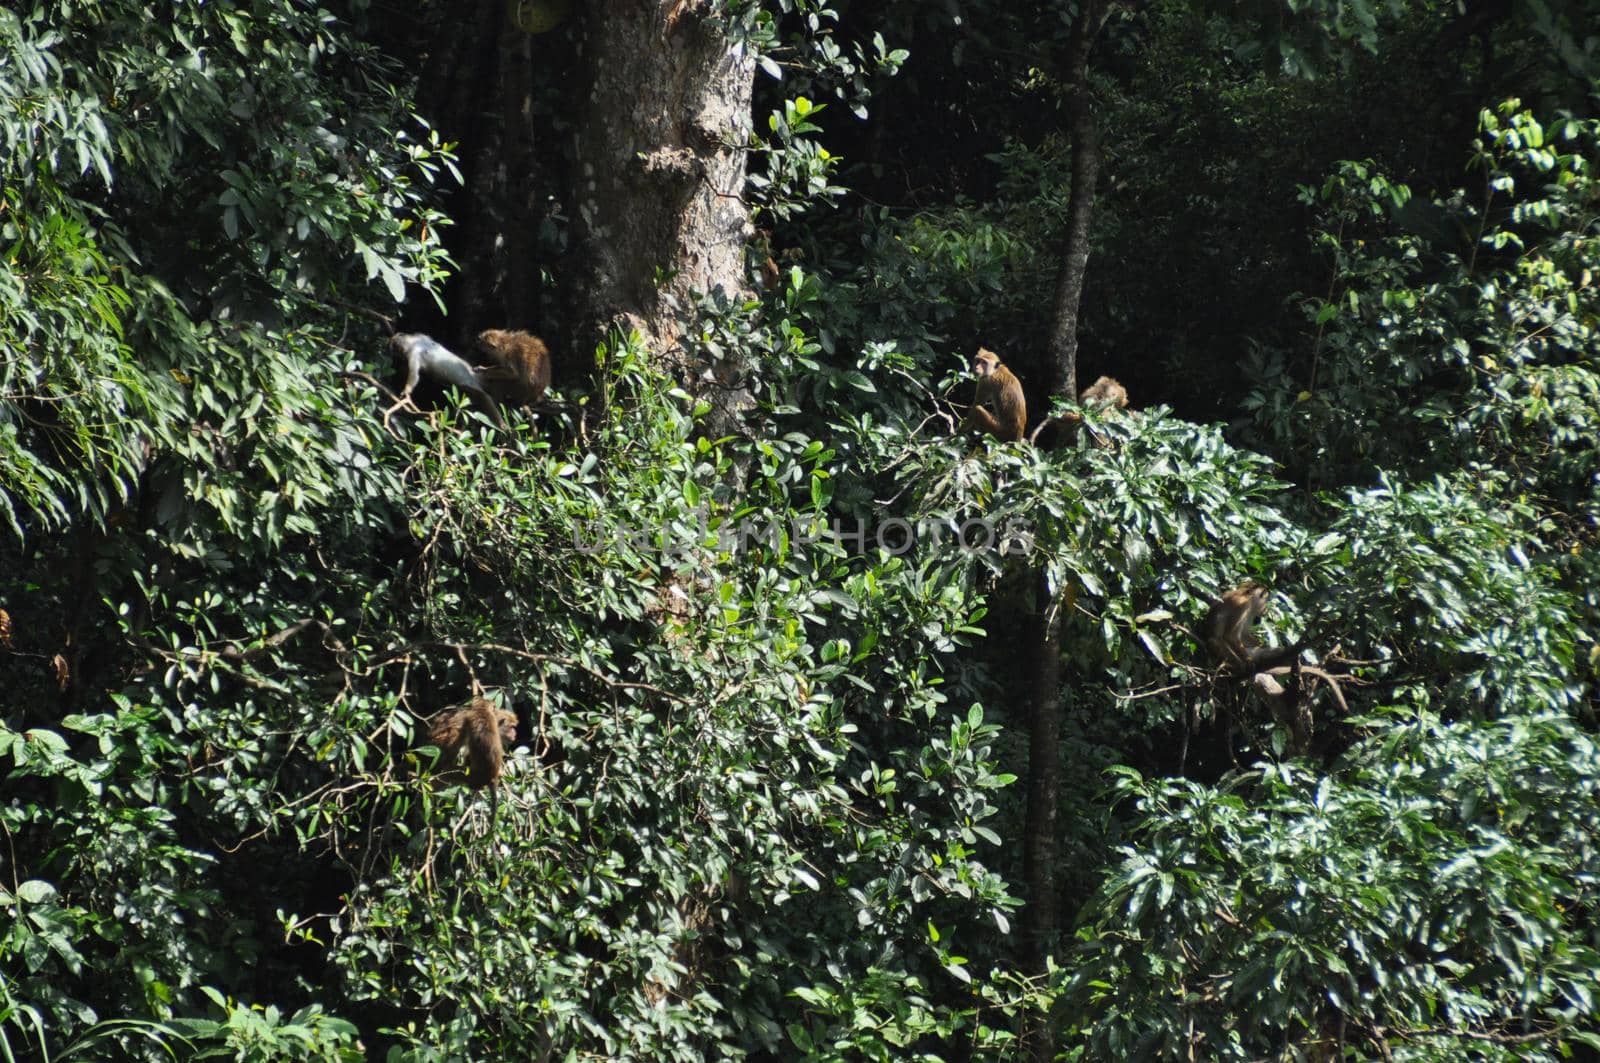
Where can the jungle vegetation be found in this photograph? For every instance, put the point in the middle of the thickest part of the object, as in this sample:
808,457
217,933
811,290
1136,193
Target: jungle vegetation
842,733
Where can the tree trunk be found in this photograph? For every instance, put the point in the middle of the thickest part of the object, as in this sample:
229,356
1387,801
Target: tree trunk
630,119
1063,345
659,152
1040,873
1039,849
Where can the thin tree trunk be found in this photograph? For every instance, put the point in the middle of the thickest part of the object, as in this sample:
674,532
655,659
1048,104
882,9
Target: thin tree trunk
1039,831
1085,168
1040,828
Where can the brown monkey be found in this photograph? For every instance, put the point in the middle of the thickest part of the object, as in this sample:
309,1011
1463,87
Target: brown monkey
521,370
998,388
1228,635
481,731
768,273
1105,389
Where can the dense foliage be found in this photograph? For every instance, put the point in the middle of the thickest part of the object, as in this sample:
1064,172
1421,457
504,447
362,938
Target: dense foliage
773,687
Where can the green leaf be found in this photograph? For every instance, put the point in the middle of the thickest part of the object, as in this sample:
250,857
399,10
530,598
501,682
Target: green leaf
35,891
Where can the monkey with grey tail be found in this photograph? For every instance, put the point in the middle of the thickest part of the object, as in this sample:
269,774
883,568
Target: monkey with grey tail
424,354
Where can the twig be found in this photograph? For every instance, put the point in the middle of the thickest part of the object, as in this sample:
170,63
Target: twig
335,303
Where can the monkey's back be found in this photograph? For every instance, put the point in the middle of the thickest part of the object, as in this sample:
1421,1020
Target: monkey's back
524,364
1002,392
1105,389
479,730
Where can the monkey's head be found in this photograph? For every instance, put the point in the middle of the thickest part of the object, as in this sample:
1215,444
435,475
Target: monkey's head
1250,597
984,362
401,344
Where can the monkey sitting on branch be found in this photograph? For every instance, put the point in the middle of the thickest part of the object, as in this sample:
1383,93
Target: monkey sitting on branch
1228,632
519,375
998,406
1105,390
478,732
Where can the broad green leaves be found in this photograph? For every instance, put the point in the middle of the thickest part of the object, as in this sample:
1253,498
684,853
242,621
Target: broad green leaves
144,332
1429,883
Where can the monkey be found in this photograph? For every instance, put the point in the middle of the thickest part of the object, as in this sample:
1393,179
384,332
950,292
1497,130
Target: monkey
522,365
481,731
1227,632
424,354
997,387
1105,389
771,275
761,253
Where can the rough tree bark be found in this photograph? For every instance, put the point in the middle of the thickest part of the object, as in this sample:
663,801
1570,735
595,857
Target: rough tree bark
1044,787
1041,917
1062,349
631,119
659,161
